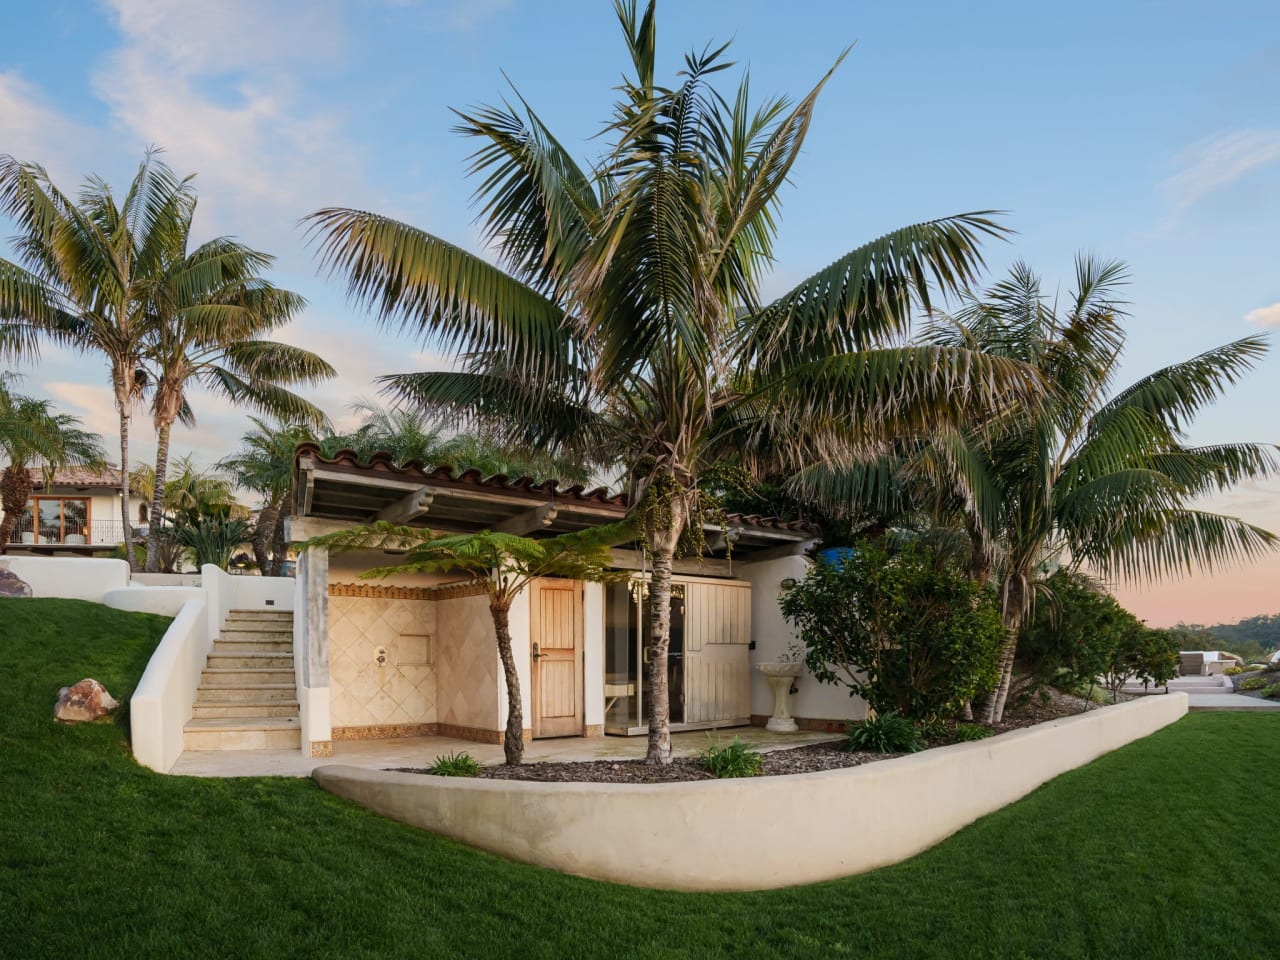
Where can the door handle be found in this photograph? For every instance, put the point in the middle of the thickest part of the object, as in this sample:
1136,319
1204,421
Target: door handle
537,654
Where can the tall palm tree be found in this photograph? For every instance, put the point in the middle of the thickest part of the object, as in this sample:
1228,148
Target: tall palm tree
85,267
33,434
1099,476
210,311
625,322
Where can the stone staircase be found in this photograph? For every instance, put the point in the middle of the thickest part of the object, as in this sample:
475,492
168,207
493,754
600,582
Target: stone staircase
248,697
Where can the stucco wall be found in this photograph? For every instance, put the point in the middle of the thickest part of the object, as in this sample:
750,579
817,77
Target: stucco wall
468,673
71,578
161,706
772,633
770,832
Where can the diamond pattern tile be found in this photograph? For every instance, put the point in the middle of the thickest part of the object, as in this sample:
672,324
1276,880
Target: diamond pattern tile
364,692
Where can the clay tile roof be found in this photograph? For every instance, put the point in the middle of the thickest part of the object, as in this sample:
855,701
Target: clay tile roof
383,463
108,476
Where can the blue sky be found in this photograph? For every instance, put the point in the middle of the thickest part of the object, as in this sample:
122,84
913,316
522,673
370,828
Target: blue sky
1144,131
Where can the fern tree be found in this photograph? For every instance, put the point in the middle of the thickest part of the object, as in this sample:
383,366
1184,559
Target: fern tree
624,325
506,564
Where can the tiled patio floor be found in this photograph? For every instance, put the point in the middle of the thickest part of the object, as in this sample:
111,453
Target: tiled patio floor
421,751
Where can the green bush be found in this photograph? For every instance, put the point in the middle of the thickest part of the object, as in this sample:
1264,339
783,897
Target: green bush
1271,691
455,765
1233,671
1254,683
735,760
967,732
903,630
887,733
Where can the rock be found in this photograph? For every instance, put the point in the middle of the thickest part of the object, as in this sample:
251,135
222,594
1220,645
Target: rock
87,700
11,585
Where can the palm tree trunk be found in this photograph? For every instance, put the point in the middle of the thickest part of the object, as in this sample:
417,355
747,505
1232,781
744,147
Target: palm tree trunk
15,491
263,535
126,524
513,738
156,516
1015,605
663,540
279,548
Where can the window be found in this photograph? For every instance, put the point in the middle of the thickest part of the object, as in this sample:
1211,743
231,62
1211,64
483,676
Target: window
54,520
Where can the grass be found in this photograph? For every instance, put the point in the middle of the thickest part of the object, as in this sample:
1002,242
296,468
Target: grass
1129,857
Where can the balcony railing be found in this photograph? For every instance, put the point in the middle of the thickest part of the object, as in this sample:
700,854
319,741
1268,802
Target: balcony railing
70,533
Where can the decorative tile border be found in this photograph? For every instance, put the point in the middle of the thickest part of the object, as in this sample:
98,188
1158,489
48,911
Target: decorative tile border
593,730
321,748
379,591
382,591
385,731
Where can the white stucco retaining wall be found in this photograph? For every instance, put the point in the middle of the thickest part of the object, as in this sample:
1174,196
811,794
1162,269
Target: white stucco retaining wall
71,578
166,601
161,706
771,832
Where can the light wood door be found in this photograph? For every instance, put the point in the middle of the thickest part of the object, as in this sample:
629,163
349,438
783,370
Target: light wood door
555,634
717,665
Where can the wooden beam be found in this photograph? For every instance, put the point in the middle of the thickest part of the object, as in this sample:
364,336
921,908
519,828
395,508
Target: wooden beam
634,560
720,537
307,490
529,521
299,529
409,507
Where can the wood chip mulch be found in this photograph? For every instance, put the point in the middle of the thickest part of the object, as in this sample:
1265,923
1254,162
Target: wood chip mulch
806,759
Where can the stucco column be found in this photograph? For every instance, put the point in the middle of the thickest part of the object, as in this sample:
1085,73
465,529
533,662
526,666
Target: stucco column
311,650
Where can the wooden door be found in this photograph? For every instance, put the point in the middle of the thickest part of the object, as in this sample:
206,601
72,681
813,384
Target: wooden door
717,665
555,636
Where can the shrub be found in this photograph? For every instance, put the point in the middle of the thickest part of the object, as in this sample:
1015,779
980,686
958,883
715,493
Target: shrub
903,630
887,733
967,732
735,760
455,765
1254,683
1233,671
1271,691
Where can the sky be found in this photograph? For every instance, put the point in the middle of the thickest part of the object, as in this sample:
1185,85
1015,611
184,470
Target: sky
1145,131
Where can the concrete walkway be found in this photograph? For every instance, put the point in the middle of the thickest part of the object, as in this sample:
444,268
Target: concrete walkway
1209,693
422,751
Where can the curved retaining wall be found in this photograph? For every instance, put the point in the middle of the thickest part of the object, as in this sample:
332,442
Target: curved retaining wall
770,832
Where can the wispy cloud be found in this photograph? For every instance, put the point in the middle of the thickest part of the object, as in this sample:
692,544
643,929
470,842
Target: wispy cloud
1219,160
1265,316
33,129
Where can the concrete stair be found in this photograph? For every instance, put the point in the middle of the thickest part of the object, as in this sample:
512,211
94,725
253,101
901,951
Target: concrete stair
248,697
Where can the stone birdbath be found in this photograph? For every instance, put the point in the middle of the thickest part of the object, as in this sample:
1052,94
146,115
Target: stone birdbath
780,677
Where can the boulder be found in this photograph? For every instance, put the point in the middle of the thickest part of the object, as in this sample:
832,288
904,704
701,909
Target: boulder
12,585
87,700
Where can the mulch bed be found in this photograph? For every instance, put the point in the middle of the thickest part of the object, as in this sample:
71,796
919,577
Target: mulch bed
810,758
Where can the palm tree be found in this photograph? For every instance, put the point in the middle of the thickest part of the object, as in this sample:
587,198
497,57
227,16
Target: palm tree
33,434
505,563
85,268
209,313
265,466
1098,476
625,324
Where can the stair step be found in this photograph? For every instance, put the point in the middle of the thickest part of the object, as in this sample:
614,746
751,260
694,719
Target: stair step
234,676
233,733
275,636
265,613
244,709
250,660
246,692
224,645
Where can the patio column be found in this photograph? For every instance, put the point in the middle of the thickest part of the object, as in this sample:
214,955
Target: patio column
311,650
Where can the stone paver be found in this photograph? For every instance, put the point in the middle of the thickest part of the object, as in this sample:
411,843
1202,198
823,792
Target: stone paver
422,751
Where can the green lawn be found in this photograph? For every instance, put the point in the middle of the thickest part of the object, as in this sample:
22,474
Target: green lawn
1130,857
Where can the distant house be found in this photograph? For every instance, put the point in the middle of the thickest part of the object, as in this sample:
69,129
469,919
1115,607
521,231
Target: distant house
77,513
